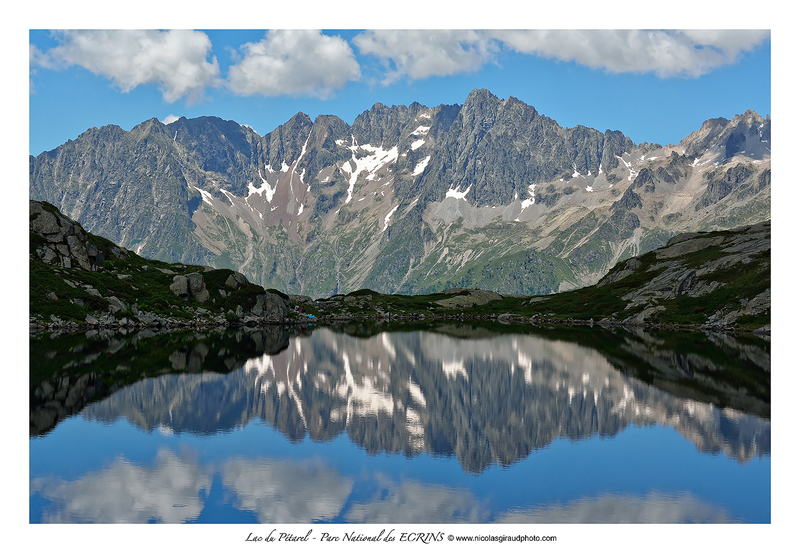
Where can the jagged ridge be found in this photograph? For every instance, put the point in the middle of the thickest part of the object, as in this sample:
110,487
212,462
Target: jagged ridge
407,199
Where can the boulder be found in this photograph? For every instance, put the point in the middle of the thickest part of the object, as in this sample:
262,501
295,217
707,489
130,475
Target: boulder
180,286
202,296
271,307
115,304
474,297
191,286
195,283
235,280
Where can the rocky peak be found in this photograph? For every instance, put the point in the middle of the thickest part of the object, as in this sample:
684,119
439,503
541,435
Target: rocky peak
700,139
747,119
382,125
480,96
286,142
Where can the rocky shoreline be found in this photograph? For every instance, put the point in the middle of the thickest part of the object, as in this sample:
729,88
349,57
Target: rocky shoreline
152,321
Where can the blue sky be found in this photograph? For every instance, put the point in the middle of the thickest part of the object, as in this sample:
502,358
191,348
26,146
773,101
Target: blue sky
655,86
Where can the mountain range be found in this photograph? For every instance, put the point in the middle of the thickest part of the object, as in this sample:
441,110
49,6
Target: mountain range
407,199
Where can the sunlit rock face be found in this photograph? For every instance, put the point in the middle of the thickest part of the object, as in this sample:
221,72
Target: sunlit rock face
410,199
485,398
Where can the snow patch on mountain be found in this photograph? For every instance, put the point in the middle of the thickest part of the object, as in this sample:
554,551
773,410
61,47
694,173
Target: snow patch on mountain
631,173
458,195
229,196
263,189
372,164
529,201
421,166
388,217
207,198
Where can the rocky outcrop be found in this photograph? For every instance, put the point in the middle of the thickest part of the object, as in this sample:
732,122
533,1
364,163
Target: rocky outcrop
467,298
68,290
58,240
695,265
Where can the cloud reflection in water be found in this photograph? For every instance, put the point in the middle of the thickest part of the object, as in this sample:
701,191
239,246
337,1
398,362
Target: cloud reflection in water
169,491
282,492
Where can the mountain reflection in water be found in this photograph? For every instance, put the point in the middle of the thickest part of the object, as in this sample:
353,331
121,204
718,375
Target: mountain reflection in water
486,396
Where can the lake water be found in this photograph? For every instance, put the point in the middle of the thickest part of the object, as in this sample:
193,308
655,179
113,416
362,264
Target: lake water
431,423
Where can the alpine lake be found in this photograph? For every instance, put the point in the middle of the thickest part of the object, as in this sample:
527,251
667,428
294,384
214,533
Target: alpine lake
429,422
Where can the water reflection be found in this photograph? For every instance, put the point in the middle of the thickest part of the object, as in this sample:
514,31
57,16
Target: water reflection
168,491
486,397
414,502
654,508
70,371
286,492
174,490
487,401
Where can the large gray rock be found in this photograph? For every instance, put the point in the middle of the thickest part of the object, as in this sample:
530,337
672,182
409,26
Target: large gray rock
235,280
180,286
45,222
202,296
191,286
115,304
271,307
195,283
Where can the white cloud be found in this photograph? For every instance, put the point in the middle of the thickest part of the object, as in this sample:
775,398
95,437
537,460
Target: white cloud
666,53
170,119
297,62
420,53
40,59
176,61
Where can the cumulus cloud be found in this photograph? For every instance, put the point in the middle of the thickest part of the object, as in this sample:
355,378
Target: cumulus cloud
418,54
665,53
170,119
176,61
295,62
